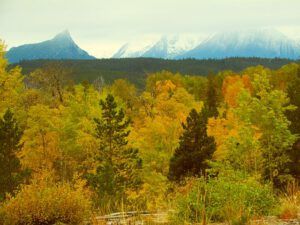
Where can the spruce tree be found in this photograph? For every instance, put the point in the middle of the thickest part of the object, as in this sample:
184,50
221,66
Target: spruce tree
294,117
119,165
211,97
10,167
195,147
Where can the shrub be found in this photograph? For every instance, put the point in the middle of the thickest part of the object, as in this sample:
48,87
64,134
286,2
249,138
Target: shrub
231,196
43,204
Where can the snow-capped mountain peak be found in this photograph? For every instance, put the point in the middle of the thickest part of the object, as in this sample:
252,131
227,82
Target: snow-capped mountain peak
168,47
265,43
172,45
135,48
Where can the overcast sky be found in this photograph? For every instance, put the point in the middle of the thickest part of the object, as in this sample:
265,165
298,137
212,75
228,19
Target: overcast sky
101,26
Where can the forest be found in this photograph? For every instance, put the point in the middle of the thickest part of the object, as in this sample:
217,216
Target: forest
136,70
221,148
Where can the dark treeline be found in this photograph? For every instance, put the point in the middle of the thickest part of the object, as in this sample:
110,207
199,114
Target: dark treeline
137,69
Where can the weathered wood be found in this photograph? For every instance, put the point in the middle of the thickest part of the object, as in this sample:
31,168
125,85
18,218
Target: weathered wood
131,218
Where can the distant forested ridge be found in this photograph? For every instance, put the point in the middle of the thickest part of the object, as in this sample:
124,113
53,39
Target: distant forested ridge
137,69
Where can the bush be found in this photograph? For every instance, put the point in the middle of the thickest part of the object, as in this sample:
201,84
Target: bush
43,204
231,196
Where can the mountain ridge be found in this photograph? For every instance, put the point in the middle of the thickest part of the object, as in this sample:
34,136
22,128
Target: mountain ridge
264,43
62,46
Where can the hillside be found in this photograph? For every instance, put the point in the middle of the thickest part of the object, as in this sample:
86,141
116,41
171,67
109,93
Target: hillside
136,69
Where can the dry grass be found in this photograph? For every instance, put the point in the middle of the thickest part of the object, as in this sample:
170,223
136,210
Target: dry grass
290,203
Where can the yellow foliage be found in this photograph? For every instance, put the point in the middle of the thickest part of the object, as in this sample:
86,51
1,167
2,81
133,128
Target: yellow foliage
11,85
62,137
156,131
221,129
165,86
41,139
47,203
232,86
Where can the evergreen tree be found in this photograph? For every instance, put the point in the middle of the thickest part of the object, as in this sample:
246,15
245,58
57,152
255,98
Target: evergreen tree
294,117
211,97
119,166
195,147
10,168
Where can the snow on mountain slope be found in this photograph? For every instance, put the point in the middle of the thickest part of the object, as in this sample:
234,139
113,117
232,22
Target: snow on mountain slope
266,43
167,47
135,48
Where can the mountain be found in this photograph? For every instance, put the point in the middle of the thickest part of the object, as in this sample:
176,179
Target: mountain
264,43
61,46
134,49
167,47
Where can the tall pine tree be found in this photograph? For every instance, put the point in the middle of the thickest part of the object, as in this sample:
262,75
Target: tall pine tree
211,97
119,165
10,167
195,147
294,116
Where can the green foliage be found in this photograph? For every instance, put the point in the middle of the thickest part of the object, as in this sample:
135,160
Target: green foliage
197,86
231,196
276,137
137,69
252,130
125,91
211,97
10,168
293,91
195,147
119,166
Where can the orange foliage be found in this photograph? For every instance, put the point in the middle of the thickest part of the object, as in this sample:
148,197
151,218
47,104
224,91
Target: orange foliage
232,86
